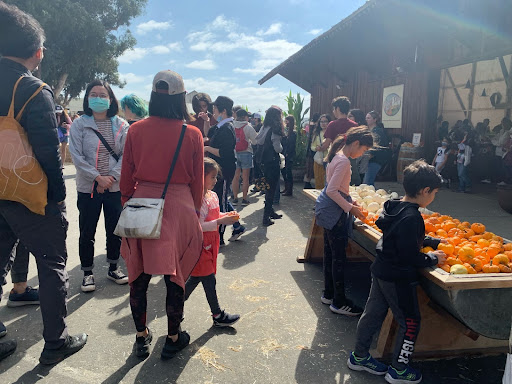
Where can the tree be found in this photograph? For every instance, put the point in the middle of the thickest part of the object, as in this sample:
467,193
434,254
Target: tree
84,38
295,105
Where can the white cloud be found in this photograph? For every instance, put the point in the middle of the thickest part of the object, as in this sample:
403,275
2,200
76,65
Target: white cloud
153,25
202,64
314,32
274,29
137,53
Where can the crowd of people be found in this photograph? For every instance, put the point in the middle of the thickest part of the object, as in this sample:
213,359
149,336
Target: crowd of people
469,153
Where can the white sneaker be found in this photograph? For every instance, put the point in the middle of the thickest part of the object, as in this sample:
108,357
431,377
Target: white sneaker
502,183
117,277
326,301
88,284
485,181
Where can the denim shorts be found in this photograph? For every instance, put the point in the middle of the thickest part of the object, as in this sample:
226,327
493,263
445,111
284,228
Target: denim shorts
244,160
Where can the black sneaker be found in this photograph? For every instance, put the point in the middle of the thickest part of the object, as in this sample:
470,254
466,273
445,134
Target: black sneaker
245,202
7,348
275,216
235,235
3,330
117,277
235,201
29,297
225,320
142,344
267,222
72,345
348,309
88,284
171,348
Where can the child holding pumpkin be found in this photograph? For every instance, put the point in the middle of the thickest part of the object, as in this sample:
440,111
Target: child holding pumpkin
204,272
395,276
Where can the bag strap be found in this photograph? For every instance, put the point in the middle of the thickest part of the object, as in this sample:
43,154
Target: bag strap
11,107
174,160
105,144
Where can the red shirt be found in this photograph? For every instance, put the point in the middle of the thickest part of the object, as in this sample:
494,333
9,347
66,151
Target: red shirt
199,123
339,127
148,153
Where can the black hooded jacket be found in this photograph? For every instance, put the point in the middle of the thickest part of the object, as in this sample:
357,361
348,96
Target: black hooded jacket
398,251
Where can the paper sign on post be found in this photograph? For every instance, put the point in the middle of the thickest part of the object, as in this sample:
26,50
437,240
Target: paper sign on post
416,139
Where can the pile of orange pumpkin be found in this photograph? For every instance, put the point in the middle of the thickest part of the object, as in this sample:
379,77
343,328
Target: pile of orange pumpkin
469,249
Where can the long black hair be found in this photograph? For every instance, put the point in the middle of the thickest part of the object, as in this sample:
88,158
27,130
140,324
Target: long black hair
273,119
318,127
359,116
168,106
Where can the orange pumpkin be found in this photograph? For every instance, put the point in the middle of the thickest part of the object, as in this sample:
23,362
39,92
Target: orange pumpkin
455,240
508,254
445,267
483,243
489,268
507,247
493,250
500,259
448,248
478,228
470,268
427,249
466,254
452,261
468,233
447,225
477,264
442,233
429,227
488,235
505,268
475,238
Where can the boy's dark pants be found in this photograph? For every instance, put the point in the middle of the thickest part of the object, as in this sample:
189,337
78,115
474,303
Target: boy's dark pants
209,285
335,256
402,298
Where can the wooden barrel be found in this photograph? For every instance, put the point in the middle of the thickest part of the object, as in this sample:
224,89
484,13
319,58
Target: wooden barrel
406,156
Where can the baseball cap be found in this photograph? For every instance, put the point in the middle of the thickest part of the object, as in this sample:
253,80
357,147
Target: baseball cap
173,80
241,113
256,115
59,109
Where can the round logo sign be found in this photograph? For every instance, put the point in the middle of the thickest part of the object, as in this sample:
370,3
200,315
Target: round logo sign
392,104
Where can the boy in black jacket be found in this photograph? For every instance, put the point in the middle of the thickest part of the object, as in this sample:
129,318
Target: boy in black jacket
395,276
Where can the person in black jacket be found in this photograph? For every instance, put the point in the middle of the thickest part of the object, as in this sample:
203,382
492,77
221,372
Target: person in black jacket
221,148
21,48
289,155
395,276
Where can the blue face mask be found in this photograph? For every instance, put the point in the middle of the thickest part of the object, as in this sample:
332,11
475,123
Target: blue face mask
444,144
219,118
99,104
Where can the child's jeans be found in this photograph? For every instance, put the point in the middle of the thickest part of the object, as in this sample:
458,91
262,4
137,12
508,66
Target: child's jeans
464,180
335,256
402,298
209,285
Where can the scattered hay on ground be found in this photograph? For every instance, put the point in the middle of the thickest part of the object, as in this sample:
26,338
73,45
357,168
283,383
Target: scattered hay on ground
243,284
288,296
255,298
303,348
268,346
235,349
209,359
251,314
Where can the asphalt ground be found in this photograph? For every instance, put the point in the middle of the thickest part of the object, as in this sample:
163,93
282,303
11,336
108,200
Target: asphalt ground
285,334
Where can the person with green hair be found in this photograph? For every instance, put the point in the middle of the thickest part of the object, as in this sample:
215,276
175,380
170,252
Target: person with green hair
134,108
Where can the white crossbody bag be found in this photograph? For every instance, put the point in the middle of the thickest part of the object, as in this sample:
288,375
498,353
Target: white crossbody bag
141,218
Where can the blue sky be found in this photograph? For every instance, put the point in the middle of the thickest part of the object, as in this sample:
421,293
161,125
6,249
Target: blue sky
224,47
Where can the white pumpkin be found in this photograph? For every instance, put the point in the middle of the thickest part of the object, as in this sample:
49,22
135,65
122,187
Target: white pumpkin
373,207
394,195
379,211
382,192
378,199
363,193
368,199
371,188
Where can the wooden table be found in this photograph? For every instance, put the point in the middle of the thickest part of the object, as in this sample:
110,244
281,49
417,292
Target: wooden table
458,312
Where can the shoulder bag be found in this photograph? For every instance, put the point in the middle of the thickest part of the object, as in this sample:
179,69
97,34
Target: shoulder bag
141,218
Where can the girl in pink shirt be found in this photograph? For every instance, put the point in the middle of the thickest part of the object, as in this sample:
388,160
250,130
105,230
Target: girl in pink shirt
337,221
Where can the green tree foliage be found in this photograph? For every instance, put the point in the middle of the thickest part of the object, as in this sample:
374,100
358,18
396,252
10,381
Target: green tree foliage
84,38
295,106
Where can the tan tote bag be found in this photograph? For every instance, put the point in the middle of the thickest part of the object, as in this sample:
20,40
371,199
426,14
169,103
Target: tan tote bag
21,177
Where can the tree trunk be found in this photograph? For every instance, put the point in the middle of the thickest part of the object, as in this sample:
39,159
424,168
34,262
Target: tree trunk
60,85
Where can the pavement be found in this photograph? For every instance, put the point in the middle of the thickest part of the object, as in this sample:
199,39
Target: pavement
285,334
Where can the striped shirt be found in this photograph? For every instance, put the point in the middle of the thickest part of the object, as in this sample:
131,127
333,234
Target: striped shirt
105,128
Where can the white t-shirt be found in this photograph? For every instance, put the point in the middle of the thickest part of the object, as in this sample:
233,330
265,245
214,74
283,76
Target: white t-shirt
441,154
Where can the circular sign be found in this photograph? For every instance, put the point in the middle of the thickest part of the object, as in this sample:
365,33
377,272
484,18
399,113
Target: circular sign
392,104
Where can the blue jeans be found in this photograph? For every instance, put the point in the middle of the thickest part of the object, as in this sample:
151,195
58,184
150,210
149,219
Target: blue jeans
464,180
371,173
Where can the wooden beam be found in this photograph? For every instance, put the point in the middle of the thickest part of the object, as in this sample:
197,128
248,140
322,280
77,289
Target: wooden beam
472,91
504,70
457,94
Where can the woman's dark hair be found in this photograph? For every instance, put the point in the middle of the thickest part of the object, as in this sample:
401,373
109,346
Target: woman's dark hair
290,120
358,116
445,124
211,165
63,117
420,175
274,121
375,115
168,106
362,134
318,127
22,35
341,102
114,105
198,97
316,117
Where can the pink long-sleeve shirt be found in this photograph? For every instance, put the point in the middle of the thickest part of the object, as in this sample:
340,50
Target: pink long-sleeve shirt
338,180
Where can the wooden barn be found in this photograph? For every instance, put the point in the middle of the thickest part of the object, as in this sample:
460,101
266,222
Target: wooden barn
425,60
